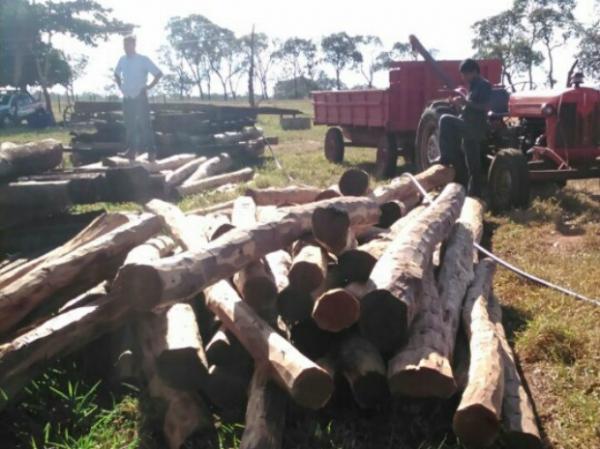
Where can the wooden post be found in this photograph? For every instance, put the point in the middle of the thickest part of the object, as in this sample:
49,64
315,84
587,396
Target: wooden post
477,419
388,310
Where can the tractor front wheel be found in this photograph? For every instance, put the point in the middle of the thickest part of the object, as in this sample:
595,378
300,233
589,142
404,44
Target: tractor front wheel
334,145
387,158
508,180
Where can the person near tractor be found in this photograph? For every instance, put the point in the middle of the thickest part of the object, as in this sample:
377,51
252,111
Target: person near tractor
461,136
131,75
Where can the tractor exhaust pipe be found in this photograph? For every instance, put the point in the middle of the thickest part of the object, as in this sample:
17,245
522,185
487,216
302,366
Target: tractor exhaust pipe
417,47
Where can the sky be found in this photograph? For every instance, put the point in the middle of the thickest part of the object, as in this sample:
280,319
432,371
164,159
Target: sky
443,25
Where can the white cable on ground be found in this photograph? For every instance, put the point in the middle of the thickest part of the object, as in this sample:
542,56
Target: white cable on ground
507,265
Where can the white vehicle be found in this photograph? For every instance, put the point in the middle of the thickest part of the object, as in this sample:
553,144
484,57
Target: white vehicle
19,105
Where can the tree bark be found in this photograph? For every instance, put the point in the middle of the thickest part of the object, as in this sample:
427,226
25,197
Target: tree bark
389,309
354,182
30,158
186,274
518,417
245,174
85,267
279,196
422,368
211,167
364,369
477,419
403,189
99,226
309,267
180,174
307,383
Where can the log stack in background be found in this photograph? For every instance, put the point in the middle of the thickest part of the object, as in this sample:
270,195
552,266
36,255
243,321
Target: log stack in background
277,297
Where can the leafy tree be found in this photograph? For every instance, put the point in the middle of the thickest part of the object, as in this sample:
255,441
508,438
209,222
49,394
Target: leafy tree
266,56
369,48
298,57
340,50
303,86
399,51
589,50
177,81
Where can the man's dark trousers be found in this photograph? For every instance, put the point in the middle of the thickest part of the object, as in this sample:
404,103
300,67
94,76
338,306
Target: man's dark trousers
454,136
138,126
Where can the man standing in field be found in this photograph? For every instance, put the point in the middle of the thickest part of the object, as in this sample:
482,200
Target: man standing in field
461,137
131,75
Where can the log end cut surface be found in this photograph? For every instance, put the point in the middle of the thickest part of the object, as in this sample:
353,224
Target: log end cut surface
354,182
139,281
313,388
477,426
330,226
336,310
356,265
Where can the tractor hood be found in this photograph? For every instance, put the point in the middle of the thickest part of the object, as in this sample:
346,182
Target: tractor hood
531,103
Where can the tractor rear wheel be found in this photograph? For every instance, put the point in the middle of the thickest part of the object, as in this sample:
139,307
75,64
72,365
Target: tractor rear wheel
508,180
334,145
427,151
387,158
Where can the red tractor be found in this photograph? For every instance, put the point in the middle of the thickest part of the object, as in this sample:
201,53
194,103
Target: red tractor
537,136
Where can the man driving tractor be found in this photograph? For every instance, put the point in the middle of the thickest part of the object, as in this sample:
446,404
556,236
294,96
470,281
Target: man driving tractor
461,136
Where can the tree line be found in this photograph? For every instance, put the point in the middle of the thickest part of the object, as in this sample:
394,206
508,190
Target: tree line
201,57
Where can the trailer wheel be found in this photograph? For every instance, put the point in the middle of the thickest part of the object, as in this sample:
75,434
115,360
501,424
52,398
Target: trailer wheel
427,149
334,145
508,180
387,158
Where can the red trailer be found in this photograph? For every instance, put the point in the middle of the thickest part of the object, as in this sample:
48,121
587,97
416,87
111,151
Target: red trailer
388,119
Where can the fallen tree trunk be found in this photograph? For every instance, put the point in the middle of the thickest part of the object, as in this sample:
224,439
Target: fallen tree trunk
518,417
388,310
354,182
180,174
364,369
30,158
212,166
477,419
186,274
99,226
85,262
245,174
422,368
279,196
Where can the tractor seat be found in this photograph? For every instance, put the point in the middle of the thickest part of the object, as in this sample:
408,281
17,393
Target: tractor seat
498,103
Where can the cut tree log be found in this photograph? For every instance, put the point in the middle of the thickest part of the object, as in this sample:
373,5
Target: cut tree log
332,226
330,192
456,272
336,309
227,389
85,267
518,416
211,167
309,266
363,367
169,163
245,174
187,273
403,189
354,182
223,208
99,226
422,368
389,309
224,349
30,158
180,358
180,174
356,264
280,196
255,281
100,290
312,341
66,332
308,384
477,418
391,212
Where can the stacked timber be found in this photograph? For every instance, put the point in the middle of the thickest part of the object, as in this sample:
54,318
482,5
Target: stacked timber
276,298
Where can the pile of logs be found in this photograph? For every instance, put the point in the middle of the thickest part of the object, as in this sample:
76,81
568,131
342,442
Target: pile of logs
188,127
36,186
275,298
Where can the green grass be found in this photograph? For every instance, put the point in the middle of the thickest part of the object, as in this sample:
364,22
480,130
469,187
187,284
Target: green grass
556,338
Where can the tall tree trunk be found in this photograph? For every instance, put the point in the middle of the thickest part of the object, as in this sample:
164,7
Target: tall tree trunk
251,100
551,80
338,84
